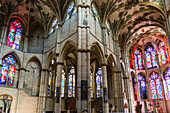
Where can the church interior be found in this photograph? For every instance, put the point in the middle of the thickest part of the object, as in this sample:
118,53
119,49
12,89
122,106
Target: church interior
84,56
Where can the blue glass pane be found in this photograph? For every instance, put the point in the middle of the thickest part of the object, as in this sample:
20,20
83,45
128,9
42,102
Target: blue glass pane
70,8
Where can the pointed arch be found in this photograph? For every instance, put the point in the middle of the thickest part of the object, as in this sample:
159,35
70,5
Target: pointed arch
35,59
96,49
68,47
155,85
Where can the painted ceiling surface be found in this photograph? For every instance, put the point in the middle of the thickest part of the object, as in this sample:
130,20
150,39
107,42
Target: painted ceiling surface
126,18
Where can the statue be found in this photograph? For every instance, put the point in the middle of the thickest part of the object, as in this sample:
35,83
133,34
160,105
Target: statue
138,107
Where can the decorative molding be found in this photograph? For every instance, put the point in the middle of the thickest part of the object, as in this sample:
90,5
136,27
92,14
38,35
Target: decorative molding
104,64
117,72
83,6
60,63
20,69
84,26
44,70
83,50
125,77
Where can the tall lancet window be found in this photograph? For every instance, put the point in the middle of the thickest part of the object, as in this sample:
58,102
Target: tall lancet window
163,54
167,81
8,71
99,82
71,11
155,85
151,57
50,77
138,59
14,36
71,82
62,83
142,86
91,83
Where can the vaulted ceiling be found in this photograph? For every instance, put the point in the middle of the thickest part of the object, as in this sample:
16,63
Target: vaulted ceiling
127,18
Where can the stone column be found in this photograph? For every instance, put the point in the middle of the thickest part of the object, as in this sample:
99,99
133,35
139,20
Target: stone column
136,82
119,79
25,44
43,89
58,87
114,85
127,80
79,82
105,88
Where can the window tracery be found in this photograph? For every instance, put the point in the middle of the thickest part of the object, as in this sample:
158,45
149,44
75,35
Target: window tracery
54,25
62,83
94,11
71,11
8,71
151,57
163,54
15,33
167,82
99,82
71,82
155,85
142,86
138,59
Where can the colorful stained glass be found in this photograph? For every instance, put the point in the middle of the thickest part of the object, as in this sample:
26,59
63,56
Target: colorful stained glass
91,84
155,85
163,54
71,83
99,82
131,59
167,81
138,59
15,33
142,86
49,83
62,83
151,57
8,71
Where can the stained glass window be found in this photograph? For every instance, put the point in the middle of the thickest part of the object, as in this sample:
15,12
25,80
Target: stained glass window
53,26
15,33
49,83
94,12
99,82
62,83
131,59
167,81
70,11
142,86
71,82
155,85
151,57
163,54
8,71
91,83
138,59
